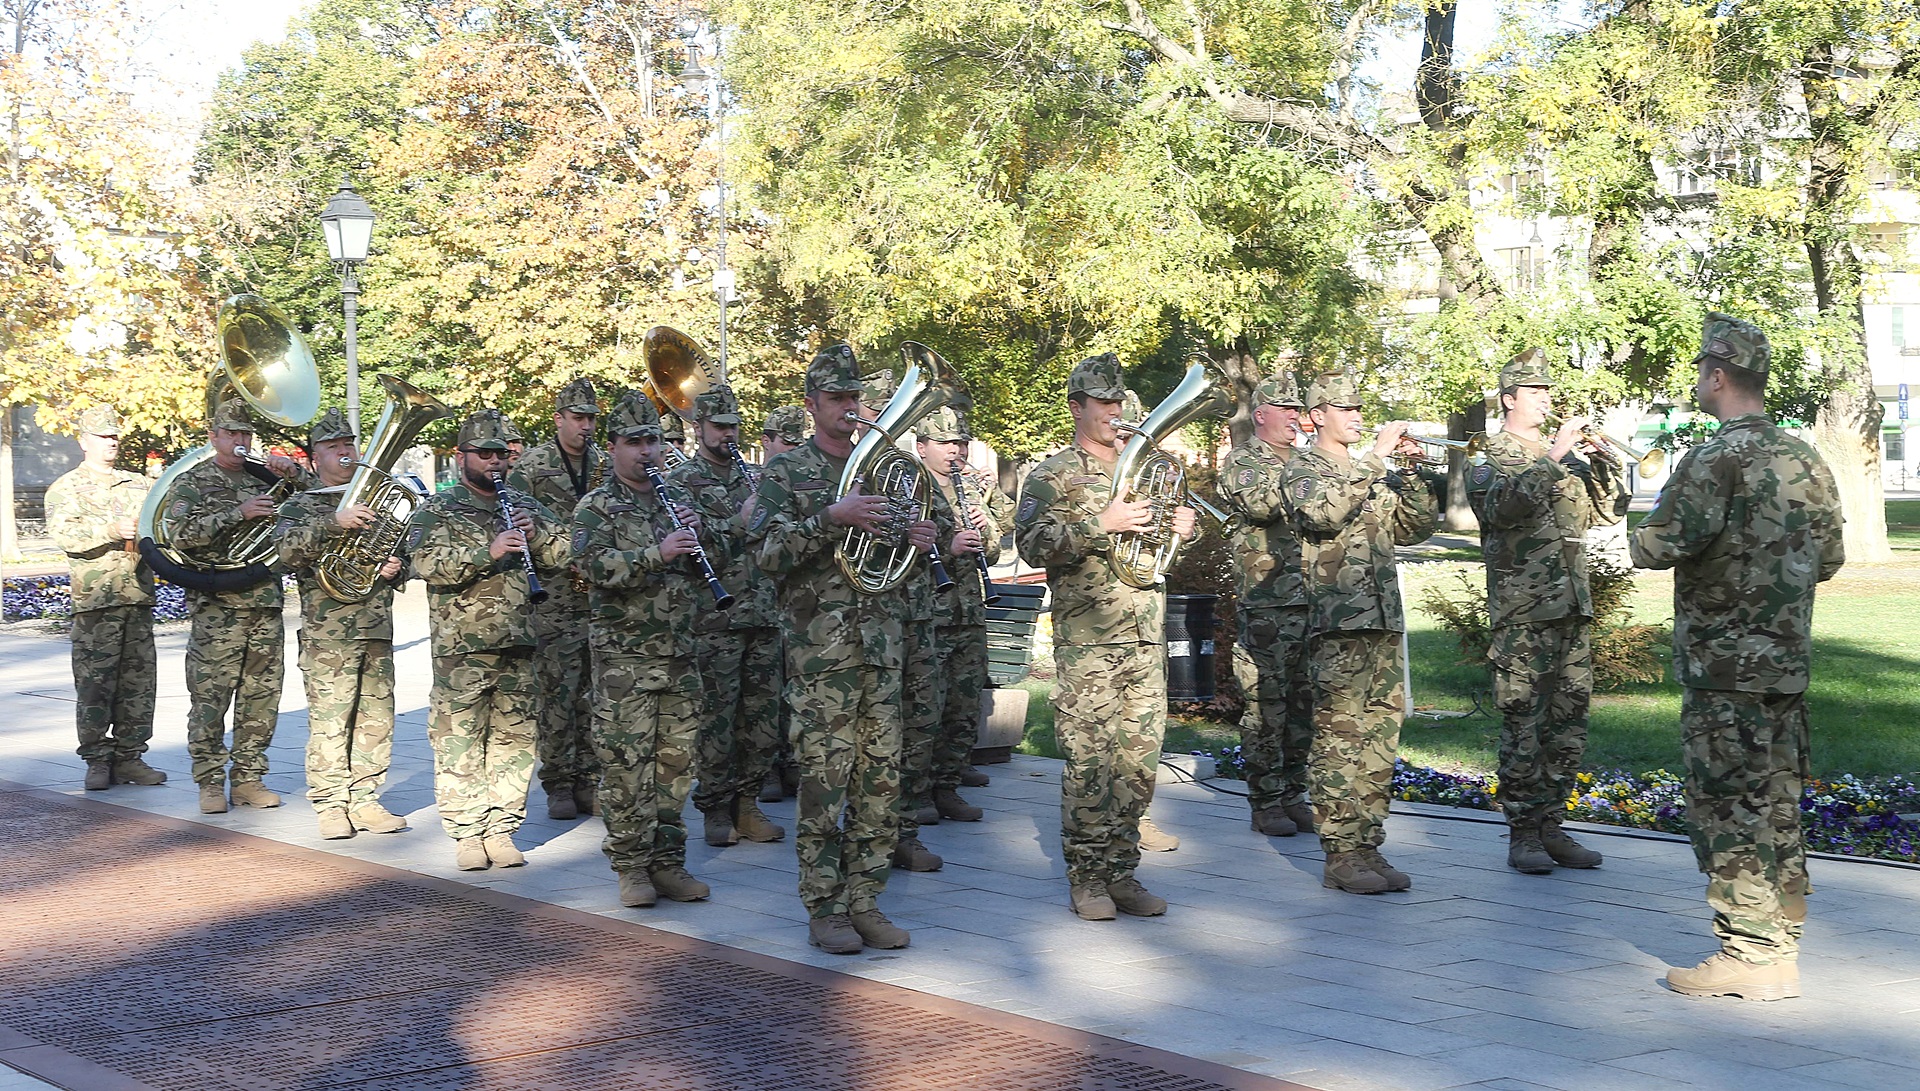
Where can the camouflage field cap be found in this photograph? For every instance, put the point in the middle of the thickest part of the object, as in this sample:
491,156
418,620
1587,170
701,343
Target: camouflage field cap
1280,388
717,406
1527,369
577,397
1098,377
943,425
331,425
1336,388
634,417
100,420
1732,342
484,431
511,430
789,422
833,371
233,415
671,426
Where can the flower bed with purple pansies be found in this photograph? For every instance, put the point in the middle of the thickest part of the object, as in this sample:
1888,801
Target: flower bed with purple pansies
1850,816
46,598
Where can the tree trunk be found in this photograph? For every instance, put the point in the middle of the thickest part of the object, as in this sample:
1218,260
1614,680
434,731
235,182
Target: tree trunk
1241,369
1472,421
9,532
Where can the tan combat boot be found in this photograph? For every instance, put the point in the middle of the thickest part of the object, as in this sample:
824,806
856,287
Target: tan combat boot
910,854
1725,975
1565,850
560,804
252,793
753,824
586,797
1155,839
470,854
1348,871
1273,822
335,825
950,805
135,770
1091,902
834,934
1525,853
1302,815
213,798
677,883
717,827
100,776
374,818
1134,900
926,814
636,890
1396,879
973,778
877,931
502,851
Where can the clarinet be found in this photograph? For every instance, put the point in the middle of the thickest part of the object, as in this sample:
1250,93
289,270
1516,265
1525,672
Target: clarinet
534,591
740,460
955,471
721,600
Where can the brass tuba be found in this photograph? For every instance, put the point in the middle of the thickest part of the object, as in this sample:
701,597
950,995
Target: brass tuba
1145,472
879,562
265,361
678,371
350,568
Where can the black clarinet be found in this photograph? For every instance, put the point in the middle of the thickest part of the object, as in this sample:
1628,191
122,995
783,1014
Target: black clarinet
954,470
942,582
534,591
721,600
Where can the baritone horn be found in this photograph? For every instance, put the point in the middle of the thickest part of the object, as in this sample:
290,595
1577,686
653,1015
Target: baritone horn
877,562
1145,472
1650,462
350,568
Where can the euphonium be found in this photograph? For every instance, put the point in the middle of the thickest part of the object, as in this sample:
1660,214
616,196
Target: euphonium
350,568
1145,472
878,562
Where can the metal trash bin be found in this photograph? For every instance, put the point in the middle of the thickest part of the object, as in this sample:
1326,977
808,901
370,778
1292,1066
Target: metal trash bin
1190,647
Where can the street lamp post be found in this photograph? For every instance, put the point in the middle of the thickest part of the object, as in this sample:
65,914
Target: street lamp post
693,76
348,223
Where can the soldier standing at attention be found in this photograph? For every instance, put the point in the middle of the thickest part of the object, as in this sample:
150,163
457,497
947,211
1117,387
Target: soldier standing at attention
785,429
648,703
1536,504
961,616
558,473
91,516
1110,700
844,663
739,650
1277,734
346,648
1349,514
237,652
1750,523
485,700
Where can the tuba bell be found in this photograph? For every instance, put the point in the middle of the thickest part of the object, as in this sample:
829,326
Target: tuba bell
678,371
1145,472
878,562
350,568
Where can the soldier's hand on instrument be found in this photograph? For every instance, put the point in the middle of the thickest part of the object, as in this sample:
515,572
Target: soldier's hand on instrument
921,534
967,541
1185,522
282,465
689,518
857,509
1572,431
978,518
260,507
354,517
680,543
391,567
508,541
1122,516
522,520
1388,441
127,528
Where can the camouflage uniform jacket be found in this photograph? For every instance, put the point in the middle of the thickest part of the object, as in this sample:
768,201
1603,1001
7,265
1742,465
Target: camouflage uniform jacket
965,604
915,597
542,474
83,510
718,493
304,533
1057,528
1534,517
827,624
1249,482
477,603
641,603
1350,513
1749,522
206,504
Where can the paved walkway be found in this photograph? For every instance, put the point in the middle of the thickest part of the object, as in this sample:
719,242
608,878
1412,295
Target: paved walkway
1479,977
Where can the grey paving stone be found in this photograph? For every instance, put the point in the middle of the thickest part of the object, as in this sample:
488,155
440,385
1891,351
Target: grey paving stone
1718,1071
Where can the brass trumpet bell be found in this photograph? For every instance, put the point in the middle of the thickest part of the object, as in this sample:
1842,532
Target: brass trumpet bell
264,359
1650,463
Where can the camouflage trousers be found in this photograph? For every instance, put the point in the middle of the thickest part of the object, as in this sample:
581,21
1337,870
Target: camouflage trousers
647,714
1276,733
114,678
919,724
1747,761
566,743
1542,682
484,715
1109,717
349,719
846,738
235,656
1357,708
740,733
962,675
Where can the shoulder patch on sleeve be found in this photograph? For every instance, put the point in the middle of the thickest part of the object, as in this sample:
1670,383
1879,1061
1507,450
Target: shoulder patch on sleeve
1303,488
579,539
760,517
1028,507
413,537
1482,474
1245,476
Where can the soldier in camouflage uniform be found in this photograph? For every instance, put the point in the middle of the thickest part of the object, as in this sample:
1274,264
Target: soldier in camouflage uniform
1750,523
1536,502
346,648
92,515
845,654
1110,697
673,439
649,702
236,654
786,429
961,616
1276,734
485,702
558,473
1349,514
739,649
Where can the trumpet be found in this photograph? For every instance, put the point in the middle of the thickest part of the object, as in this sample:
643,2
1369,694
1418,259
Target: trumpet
1650,463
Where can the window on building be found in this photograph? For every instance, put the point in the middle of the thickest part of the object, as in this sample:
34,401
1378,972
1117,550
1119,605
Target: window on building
1523,185
1521,268
1894,441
